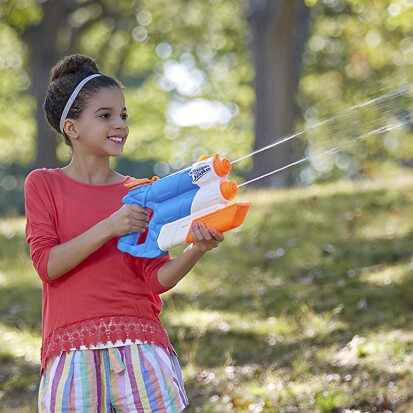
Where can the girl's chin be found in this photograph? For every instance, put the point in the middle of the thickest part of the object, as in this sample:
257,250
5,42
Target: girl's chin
117,153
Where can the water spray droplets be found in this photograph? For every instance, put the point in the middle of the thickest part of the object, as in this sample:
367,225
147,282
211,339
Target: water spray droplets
362,121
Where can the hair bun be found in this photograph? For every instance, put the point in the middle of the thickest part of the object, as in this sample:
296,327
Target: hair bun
73,64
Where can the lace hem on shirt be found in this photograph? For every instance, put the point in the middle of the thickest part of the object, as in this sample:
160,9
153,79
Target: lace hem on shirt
103,329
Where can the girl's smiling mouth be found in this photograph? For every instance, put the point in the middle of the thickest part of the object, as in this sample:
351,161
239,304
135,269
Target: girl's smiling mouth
116,139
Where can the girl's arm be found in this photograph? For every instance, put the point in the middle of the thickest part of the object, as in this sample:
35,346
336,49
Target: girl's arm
64,257
176,269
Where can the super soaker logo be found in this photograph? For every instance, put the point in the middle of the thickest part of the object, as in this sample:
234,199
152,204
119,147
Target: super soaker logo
199,172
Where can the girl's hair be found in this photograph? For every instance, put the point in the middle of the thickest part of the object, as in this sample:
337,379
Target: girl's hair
64,77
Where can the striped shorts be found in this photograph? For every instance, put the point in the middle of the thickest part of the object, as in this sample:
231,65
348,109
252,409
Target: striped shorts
142,378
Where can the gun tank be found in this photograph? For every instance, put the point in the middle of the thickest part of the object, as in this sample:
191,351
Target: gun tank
176,201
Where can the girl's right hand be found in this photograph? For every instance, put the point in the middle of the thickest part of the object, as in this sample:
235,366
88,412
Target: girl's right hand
129,218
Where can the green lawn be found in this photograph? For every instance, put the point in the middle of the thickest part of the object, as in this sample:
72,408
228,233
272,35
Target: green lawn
305,308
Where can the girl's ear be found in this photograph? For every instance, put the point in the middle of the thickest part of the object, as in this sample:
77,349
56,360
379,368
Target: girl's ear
69,127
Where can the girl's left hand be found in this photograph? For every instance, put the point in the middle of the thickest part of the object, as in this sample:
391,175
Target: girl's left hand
205,239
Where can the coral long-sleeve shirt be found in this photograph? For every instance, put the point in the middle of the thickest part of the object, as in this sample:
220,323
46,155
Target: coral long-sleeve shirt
111,295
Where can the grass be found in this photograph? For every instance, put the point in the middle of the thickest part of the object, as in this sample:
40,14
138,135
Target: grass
305,308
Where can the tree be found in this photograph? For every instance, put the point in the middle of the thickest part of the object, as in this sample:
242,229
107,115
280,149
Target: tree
43,54
209,34
351,43
135,41
358,51
279,31
58,33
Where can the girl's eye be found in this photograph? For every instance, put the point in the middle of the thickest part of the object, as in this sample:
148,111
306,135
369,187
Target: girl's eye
125,116
105,116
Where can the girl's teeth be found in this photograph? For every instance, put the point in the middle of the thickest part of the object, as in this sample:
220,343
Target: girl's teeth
116,139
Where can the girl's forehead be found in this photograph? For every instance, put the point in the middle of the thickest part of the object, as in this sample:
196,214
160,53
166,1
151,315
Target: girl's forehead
108,97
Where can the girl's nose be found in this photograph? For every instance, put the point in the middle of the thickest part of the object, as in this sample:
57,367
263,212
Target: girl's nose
120,123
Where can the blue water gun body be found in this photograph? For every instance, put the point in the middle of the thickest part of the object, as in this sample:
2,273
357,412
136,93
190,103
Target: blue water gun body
201,193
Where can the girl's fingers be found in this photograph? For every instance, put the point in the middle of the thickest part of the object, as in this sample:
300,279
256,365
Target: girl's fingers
140,217
137,225
217,235
137,208
138,212
204,231
201,233
196,233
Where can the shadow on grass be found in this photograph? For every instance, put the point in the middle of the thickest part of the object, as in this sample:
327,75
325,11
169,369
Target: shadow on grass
340,284
384,309
19,381
21,306
330,280
214,348
13,247
337,279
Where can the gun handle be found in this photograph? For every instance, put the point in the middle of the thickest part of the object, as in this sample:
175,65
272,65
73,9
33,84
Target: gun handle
223,219
148,249
142,244
131,239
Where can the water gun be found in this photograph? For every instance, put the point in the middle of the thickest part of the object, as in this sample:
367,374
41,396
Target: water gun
201,193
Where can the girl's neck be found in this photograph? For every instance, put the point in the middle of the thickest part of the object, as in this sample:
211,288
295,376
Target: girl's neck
92,171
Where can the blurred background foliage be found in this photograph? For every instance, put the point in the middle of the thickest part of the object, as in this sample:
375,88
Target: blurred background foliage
188,69
317,316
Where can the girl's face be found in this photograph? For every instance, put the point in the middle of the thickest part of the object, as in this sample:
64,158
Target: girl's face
101,129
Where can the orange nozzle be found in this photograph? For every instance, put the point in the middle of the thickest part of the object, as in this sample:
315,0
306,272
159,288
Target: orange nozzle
222,166
229,190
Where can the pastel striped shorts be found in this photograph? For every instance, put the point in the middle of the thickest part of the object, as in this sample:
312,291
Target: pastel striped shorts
142,378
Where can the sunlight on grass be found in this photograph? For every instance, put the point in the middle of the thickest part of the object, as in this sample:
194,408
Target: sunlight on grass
389,352
312,262
264,197
15,264
226,321
20,343
3,279
396,274
314,323
17,410
385,226
304,308
11,226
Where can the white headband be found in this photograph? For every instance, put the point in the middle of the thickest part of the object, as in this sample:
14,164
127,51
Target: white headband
72,99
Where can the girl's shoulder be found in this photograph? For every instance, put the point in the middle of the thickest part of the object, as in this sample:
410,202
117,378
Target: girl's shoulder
57,179
41,174
41,184
41,177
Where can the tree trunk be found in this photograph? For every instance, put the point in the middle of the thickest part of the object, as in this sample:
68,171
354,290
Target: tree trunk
279,29
43,55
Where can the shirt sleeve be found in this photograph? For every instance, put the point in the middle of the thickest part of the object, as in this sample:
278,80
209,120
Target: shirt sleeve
149,268
41,232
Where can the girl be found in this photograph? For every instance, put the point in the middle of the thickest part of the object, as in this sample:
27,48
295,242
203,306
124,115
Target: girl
104,348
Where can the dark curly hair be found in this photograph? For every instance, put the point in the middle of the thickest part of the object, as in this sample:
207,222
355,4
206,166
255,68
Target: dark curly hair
64,77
